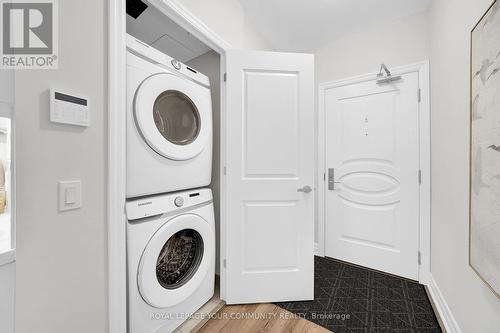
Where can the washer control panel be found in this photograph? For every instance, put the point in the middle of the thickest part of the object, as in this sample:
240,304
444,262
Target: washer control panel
179,201
161,59
176,63
166,203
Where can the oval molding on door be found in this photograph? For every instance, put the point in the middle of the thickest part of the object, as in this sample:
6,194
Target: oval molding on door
370,183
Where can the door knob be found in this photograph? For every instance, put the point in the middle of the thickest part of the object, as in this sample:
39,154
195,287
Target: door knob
305,189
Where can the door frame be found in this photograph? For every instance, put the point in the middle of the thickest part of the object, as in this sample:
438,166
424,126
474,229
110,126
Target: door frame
116,157
422,68
7,111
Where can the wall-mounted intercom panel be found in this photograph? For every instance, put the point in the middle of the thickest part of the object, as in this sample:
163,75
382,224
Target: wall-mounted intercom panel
66,108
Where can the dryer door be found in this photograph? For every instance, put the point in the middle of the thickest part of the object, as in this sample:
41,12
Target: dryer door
176,260
173,115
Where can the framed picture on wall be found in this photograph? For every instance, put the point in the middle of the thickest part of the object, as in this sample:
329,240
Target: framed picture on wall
484,217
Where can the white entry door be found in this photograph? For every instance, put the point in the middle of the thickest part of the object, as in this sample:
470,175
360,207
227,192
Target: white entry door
270,177
372,175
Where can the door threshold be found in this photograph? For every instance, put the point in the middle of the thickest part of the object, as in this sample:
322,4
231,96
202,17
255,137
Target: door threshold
371,269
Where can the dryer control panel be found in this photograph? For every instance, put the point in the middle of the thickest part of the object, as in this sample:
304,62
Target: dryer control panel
166,203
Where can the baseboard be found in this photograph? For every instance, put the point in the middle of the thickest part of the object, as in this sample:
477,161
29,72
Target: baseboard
316,251
445,316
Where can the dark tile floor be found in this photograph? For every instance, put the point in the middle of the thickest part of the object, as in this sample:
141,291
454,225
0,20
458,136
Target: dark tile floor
353,299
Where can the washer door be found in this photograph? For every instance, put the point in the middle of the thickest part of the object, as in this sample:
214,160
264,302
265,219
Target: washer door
176,260
170,113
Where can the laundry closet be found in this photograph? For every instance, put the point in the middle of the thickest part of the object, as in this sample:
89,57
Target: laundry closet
173,140
220,172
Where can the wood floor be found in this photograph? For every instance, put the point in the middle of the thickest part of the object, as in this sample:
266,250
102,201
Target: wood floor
253,318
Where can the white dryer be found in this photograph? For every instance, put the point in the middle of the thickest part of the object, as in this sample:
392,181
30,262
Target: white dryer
169,123
170,259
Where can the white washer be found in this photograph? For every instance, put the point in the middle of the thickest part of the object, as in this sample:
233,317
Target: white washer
169,123
170,259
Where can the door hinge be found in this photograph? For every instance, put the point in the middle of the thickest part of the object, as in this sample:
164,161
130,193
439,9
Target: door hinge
324,176
419,94
225,77
420,176
225,171
419,258
224,263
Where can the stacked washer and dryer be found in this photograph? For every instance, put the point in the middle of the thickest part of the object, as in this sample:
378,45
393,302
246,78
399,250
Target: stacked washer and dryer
170,227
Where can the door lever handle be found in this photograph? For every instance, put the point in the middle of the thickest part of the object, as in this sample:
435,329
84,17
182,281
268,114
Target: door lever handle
305,189
331,179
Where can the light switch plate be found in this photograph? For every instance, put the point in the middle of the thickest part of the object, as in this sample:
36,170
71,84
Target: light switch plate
70,195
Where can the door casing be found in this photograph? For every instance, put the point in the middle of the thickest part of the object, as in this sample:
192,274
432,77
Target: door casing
422,68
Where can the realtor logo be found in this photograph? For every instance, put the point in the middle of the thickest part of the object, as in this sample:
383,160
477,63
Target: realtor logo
29,32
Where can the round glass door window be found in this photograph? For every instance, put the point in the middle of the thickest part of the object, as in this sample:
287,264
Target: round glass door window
179,259
176,117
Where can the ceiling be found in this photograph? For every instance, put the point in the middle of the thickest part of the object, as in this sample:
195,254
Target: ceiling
156,29
304,25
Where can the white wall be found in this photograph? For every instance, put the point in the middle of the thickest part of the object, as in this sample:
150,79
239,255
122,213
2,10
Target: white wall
227,19
61,257
7,289
209,64
473,305
397,43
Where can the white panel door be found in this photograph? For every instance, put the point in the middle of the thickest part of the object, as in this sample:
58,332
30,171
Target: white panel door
270,175
372,162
